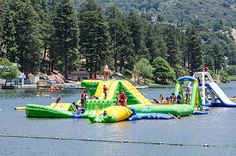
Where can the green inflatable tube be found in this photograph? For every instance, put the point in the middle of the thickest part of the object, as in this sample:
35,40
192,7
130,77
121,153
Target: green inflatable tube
175,109
40,111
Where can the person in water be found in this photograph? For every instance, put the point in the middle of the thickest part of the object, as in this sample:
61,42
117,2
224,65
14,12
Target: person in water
58,100
105,90
122,99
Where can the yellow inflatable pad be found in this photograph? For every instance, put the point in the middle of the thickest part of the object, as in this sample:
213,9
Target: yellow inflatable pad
62,106
120,112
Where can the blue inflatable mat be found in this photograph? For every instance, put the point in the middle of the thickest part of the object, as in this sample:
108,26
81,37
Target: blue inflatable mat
196,112
150,116
77,116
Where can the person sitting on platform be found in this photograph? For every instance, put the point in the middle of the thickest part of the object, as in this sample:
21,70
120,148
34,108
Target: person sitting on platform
173,98
161,99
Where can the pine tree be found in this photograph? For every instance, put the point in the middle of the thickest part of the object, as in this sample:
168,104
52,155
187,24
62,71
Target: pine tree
93,36
43,8
219,60
137,29
28,39
66,36
9,34
194,50
120,40
151,43
173,46
155,43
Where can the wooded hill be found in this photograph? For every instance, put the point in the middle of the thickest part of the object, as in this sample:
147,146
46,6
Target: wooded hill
47,35
208,12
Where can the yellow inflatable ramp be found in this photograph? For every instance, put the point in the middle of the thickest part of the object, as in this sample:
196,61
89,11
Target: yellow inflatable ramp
119,112
111,86
63,106
128,86
99,92
112,89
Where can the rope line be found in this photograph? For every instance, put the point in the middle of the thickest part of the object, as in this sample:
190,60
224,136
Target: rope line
115,141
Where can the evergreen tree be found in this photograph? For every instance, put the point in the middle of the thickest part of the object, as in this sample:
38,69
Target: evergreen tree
66,37
193,47
151,44
1,15
45,12
93,36
172,44
120,40
28,39
219,59
137,28
9,34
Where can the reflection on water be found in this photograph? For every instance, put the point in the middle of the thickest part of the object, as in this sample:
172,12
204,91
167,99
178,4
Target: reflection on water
216,129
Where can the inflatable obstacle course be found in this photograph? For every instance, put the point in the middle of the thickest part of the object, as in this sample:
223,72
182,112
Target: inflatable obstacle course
135,101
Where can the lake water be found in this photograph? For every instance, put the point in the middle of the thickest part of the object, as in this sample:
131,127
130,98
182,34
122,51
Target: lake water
23,136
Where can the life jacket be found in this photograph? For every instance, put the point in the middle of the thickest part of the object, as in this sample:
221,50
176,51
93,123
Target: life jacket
83,96
105,89
179,97
122,96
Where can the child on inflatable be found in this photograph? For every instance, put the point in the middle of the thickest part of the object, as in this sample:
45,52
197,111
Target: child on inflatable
83,98
105,89
122,99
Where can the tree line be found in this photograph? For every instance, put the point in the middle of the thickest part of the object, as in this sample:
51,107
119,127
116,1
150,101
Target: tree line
47,35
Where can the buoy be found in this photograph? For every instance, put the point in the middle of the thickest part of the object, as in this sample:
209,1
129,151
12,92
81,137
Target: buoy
160,143
20,108
206,145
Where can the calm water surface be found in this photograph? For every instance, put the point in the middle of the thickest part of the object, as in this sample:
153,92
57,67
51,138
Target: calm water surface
23,136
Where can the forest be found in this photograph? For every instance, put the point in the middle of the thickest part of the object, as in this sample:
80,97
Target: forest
66,35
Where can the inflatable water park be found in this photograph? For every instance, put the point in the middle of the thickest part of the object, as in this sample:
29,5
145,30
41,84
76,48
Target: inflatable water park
103,108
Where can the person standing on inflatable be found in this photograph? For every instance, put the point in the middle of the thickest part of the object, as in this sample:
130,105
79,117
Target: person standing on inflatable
122,99
205,69
83,98
105,90
106,72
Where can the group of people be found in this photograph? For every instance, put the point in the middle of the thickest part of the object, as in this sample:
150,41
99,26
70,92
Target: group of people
168,100
173,98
